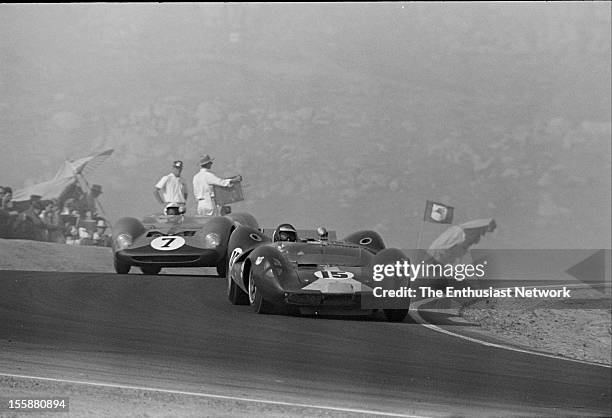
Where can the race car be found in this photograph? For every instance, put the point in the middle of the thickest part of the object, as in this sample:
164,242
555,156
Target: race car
172,239
288,272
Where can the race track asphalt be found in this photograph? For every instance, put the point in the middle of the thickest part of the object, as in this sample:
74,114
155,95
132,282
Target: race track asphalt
179,332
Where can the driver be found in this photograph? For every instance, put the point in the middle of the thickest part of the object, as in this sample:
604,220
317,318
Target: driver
285,232
174,209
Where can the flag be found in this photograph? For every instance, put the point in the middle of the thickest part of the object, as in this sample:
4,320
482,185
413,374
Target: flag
438,213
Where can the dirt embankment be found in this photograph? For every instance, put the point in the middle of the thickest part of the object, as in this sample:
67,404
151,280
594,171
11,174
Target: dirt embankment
19,254
579,327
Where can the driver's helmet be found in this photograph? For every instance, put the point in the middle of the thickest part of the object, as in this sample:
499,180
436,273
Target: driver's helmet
285,232
174,209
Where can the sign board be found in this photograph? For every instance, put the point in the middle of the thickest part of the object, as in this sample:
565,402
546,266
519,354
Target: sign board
227,195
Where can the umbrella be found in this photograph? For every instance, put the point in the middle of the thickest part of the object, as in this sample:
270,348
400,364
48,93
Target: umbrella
69,173
82,166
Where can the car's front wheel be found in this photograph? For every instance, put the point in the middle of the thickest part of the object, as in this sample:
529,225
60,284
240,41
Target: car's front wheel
222,267
121,267
259,304
235,294
152,270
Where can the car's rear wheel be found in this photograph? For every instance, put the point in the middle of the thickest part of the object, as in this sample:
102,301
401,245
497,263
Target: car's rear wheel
152,270
395,315
235,294
121,267
259,304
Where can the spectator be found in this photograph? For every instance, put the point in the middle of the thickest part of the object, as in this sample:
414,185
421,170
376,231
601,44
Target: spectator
202,187
2,193
72,235
6,199
68,207
172,188
100,237
6,196
73,192
69,216
35,198
87,204
28,224
51,217
8,214
85,236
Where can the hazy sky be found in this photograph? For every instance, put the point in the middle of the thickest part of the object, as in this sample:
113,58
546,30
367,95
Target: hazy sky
347,114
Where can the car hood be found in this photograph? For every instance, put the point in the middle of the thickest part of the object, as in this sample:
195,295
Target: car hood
331,279
311,274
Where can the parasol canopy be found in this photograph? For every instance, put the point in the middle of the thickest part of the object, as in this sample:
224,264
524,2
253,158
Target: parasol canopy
65,177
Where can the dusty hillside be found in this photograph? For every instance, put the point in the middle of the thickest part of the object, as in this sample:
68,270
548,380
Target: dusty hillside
347,115
47,256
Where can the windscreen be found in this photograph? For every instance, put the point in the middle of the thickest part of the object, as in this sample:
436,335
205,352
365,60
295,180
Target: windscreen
333,255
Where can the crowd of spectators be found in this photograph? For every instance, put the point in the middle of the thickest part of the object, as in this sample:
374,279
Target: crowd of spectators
72,218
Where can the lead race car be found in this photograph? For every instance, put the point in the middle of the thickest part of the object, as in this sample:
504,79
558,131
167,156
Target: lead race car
292,273
175,240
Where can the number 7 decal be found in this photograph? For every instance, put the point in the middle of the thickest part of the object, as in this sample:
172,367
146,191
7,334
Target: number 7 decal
169,239
168,243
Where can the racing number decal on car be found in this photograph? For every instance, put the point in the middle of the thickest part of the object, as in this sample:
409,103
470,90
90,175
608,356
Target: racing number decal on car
327,274
168,243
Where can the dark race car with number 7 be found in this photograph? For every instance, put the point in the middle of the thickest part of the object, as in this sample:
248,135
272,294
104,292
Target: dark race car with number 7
175,240
289,272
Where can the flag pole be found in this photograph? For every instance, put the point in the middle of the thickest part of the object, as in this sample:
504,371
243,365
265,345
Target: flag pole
418,245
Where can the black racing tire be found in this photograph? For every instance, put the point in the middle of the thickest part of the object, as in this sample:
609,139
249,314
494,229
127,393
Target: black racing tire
235,294
152,270
121,267
258,303
395,315
222,267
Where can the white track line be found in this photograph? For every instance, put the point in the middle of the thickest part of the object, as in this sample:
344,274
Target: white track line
417,317
214,396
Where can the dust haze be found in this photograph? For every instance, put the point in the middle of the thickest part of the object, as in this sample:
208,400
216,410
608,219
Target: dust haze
344,115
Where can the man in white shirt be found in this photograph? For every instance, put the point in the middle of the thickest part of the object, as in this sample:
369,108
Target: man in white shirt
172,188
203,183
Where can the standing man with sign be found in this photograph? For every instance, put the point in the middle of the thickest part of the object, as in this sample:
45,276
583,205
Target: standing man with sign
172,188
202,186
